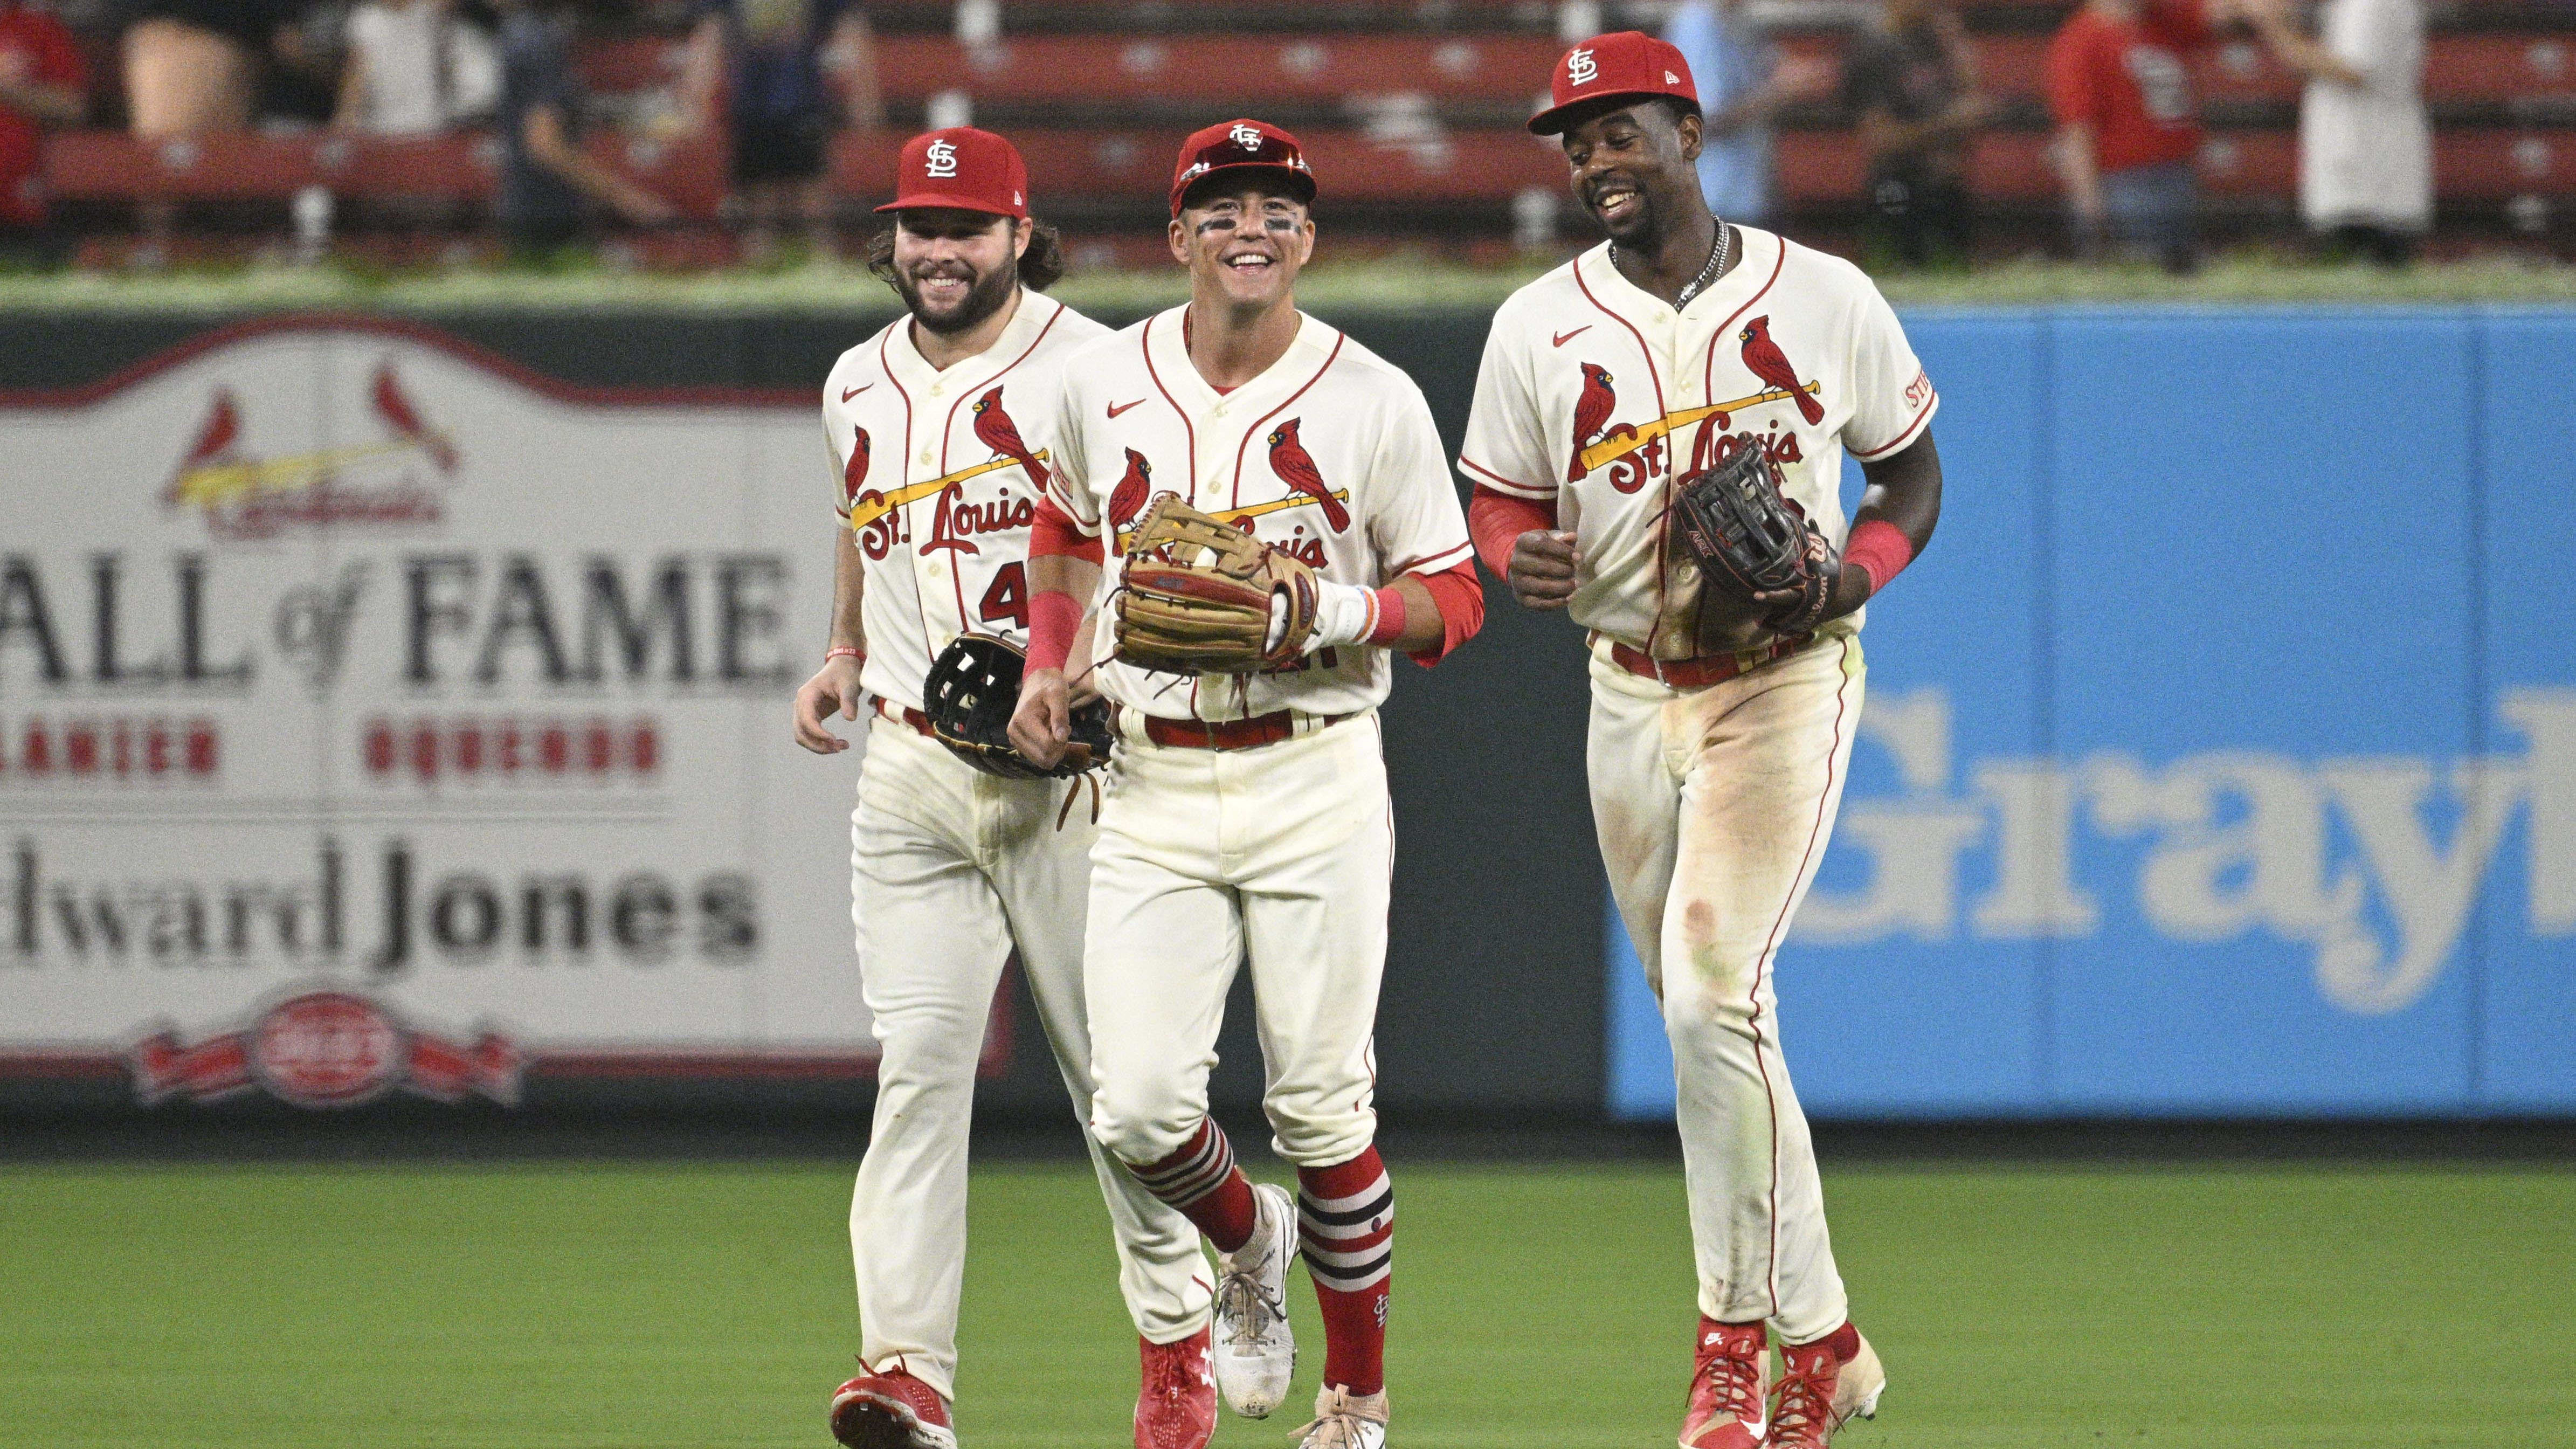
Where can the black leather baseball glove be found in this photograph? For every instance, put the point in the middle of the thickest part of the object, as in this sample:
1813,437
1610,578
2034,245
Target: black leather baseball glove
1752,539
974,686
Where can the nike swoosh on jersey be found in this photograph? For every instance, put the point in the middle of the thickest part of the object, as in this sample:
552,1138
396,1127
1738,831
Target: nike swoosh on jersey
1116,408
1563,338
848,393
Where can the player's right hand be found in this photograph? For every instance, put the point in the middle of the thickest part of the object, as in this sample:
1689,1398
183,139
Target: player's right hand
1542,571
834,687
1044,721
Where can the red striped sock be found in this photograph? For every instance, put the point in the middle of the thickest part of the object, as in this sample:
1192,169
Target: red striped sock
1202,1181
1346,1218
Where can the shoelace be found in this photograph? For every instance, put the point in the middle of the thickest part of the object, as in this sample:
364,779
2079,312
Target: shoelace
1806,1403
1342,1429
1241,1295
1738,1381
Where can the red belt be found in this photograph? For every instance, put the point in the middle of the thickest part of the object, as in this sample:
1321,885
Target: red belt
906,715
1707,669
1232,734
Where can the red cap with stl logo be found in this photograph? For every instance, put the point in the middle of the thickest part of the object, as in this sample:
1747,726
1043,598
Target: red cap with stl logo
1629,64
1242,143
964,168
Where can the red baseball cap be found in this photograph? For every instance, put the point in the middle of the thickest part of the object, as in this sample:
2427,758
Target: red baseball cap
965,168
1628,64
1238,144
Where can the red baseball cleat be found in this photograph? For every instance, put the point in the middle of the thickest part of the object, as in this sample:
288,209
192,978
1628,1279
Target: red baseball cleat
891,1410
1176,1398
1730,1387
1820,1391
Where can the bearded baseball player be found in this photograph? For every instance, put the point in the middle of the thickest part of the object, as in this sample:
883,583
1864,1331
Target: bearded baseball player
1247,811
1657,444
942,425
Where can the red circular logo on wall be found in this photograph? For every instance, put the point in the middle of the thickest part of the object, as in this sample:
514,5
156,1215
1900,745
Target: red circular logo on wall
327,1049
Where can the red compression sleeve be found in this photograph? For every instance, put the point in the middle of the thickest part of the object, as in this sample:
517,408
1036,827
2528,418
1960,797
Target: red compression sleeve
1880,548
1496,520
1054,615
1461,598
1390,617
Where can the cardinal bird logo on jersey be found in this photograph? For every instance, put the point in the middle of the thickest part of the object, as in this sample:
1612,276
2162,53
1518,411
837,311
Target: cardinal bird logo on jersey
854,474
1288,459
995,430
1128,498
1770,364
1591,414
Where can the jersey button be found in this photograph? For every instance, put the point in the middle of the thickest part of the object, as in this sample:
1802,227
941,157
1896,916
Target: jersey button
925,457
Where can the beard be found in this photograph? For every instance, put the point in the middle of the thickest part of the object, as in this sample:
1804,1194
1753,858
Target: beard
984,298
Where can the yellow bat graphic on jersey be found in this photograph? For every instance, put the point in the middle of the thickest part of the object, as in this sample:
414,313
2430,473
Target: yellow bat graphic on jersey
214,483
878,506
1610,450
1252,510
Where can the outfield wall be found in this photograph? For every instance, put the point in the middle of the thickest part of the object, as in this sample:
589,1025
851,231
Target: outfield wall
2220,758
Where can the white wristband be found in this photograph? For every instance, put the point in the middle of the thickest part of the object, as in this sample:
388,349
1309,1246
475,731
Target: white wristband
1345,614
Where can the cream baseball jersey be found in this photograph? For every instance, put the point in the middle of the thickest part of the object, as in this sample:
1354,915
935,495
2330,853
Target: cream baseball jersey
1330,455
940,477
1596,395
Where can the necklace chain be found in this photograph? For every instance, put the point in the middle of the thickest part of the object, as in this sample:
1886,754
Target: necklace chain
1717,253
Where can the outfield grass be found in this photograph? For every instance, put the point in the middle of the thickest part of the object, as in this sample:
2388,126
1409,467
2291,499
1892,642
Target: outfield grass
1541,1307
1331,288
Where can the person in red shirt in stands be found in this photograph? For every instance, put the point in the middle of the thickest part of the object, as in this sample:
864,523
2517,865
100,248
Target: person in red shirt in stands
2128,127
42,82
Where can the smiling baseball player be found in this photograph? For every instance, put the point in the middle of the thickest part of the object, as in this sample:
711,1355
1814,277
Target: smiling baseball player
1248,810
1615,390
941,424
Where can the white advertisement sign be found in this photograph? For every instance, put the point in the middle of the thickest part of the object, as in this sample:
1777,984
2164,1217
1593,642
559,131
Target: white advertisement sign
377,717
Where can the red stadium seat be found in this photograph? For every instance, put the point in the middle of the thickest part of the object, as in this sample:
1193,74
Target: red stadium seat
111,165
1469,166
628,63
1226,71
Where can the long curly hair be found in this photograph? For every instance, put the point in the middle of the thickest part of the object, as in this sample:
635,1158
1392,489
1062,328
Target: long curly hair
1041,266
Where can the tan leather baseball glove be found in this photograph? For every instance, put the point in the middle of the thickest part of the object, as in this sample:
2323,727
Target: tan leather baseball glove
1202,596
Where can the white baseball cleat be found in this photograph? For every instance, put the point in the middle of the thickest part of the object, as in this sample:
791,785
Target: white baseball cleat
1345,1421
1255,1351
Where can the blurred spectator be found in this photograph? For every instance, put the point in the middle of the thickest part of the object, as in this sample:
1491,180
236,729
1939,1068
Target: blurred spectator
415,68
1743,82
2365,146
783,72
43,82
193,65
1911,81
544,176
2128,125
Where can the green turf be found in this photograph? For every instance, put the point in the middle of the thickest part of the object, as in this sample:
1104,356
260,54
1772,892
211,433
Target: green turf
1535,1307
1333,288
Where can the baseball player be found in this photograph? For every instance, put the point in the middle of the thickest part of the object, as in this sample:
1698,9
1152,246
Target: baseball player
1248,811
1718,744
942,424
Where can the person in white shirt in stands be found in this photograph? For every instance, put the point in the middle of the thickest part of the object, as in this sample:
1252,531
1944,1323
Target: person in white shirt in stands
2365,147
415,69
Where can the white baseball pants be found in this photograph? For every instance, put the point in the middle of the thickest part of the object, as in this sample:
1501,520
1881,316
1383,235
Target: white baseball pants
949,868
1713,808
1282,851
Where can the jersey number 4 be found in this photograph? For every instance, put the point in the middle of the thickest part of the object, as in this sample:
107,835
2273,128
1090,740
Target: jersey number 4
1008,598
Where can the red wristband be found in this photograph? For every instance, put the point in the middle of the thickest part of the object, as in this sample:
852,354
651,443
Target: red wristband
843,651
1054,618
1390,617
1879,547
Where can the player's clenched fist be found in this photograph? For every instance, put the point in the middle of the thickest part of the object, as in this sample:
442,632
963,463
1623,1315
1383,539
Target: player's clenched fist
1542,569
834,688
1044,721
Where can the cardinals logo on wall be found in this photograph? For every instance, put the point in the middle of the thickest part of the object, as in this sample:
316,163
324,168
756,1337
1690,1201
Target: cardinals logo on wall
247,496
1592,411
1767,362
995,430
1289,460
